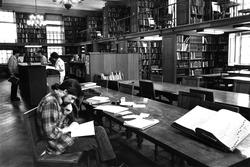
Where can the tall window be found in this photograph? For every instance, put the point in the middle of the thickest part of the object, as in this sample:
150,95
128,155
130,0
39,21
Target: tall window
238,53
8,31
55,33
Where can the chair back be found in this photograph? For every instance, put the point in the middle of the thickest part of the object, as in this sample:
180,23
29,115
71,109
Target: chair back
209,96
125,88
218,106
38,146
191,81
242,86
189,100
114,85
155,77
146,89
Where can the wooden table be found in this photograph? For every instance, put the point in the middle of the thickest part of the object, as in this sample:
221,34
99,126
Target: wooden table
172,140
239,73
171,90
241,83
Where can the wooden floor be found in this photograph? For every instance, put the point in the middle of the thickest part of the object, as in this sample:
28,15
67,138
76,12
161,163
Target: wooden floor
15,150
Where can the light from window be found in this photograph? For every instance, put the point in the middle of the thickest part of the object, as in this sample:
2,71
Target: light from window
58,49
5,55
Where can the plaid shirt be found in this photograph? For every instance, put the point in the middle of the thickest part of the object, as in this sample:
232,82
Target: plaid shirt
50,119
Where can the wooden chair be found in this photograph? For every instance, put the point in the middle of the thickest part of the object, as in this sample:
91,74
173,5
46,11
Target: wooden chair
40,156
129,89
209,96
191,81
156,77
189,100
242,86
218,106
146,89
114,85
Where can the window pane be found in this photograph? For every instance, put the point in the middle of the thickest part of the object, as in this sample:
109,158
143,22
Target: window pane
245,45
8,33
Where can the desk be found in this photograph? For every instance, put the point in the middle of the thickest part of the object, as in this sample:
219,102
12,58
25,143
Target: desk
171,90
239,73
241,83
212,80
172,140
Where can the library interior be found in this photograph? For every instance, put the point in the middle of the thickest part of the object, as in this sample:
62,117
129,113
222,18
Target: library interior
140,82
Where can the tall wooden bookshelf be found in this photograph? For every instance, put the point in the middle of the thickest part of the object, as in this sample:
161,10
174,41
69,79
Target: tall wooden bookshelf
94,26
73,27
29,34
113,26
150,56
194,55
190,11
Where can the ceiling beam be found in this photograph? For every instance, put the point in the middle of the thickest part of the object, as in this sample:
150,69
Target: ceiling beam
43,10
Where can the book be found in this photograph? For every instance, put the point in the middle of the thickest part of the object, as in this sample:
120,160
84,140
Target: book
222,129
84,129
114,109
97,100
141,123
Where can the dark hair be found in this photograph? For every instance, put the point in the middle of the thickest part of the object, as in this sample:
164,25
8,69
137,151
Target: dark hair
15,51
71,85
54,55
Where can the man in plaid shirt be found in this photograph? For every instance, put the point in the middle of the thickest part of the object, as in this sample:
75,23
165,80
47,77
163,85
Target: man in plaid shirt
53,117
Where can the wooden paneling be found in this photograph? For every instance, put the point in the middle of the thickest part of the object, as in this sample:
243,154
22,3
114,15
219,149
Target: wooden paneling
168,58
111,62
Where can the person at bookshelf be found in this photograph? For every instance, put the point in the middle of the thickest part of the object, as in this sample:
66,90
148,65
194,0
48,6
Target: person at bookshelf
43,58
14,74
52,118
58,64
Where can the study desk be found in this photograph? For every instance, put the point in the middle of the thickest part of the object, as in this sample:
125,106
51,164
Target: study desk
170,90
239,73
241,83
172,140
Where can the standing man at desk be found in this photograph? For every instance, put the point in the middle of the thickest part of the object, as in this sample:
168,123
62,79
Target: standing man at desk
13,69
52,119
58,64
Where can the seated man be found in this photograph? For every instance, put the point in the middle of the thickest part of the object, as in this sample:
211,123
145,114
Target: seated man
53,117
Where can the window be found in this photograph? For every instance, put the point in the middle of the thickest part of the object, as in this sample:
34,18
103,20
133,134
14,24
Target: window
238,52
57,49
8,31
4,56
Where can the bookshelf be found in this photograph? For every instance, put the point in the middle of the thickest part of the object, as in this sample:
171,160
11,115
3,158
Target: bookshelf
113,26
29,34
73,27
150,56
195,55
94,27
190,11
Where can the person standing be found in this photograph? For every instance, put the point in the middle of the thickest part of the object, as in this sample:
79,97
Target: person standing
43,58
58,64
14,74
52,118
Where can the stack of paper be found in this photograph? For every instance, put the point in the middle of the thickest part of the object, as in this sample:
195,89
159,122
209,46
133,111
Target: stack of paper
84,129
141,123
111,108
89,85
98,100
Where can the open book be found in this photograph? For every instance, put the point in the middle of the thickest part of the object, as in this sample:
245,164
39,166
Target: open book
98,100
84,129
141,123
222,129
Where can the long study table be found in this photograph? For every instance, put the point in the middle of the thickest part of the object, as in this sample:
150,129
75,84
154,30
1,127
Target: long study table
171,90
172,140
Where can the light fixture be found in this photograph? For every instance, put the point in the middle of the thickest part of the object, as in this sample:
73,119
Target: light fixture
210,31
36,20
33,46
152,38
242,27
67,3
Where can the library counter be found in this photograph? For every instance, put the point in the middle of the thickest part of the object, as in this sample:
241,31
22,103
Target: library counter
32,82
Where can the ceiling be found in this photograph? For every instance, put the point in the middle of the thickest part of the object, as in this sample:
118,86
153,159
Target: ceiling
88,5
